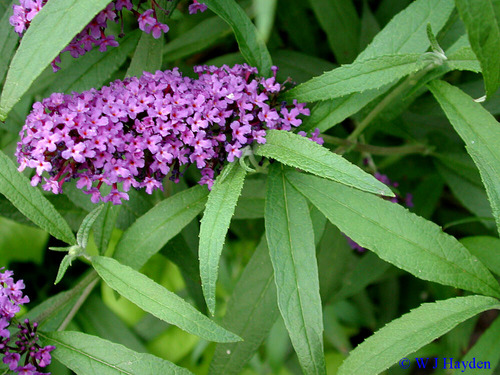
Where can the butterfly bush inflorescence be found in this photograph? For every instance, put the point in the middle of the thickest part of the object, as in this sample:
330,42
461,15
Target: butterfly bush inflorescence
135,132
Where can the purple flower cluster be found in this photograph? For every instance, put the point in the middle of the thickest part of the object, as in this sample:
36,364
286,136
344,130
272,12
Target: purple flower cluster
407,201
94,33
135,132
35,356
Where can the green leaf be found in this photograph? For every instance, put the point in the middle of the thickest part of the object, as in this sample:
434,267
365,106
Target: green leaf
104,225
63,267
264,18
158,301
94,69
299,152
148,56
486,249
252,200
86,354
482,21
357,77
8,40
412,331
50,31
396,235
290,238
154,229
31,202
82,237
463,59
341,23
251,313
214,225
482,142
299,66
486,348
251,45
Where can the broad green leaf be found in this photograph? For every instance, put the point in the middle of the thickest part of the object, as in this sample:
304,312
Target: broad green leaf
299,152
200,37
104,225
154,229
264,18
486,349
30,201
482,21
147,56
157,300
463,59
251,313
251,45
341,23
486,249
82,237
290,238
94,69
214,225
90,355
399,237
360,76
412,331
8,40
480,132
50,31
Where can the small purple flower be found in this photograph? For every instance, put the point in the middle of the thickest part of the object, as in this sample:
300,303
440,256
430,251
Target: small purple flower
197,7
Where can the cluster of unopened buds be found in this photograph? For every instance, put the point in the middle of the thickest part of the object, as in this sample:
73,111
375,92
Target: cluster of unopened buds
25,355
94,33
407,200
135,132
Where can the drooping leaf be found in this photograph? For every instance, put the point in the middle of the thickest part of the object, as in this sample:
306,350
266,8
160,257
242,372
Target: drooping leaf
480,132
89,355
63,267
359,76
30,201
157,300
50,31
482,21
214,225
251,313
412,331
155,228
397,236
148,56
299,152
290,238
251,45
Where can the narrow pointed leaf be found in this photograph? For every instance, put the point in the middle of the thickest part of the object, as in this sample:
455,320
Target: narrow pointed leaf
412,331
82,237
155,228
251,313
290,238
399,237
157,300
50,31
63,267
30,201
481,133
8,40
251,44
104,225
299,152
357,77
214,225
482,21
148,56
86,354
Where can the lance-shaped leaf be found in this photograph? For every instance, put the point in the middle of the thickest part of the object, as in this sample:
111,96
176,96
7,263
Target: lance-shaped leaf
214,225
251,45
299,152
50,31
398,236
412,331
148,56
8,41
357,77
155,228
30,201
86,354
251,313
481,133
290,238
82,237
158,301
104,225
482,21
